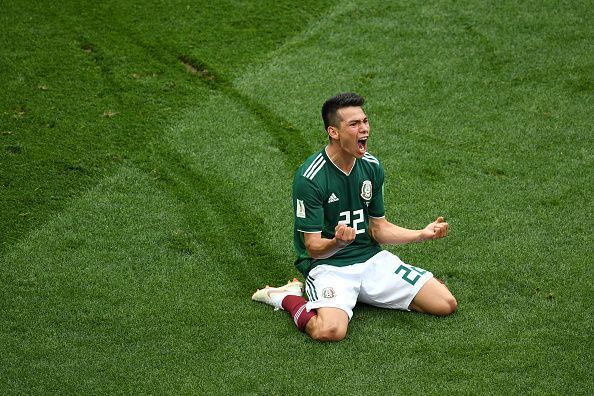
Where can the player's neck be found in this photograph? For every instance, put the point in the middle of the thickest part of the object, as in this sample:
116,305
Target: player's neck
341,159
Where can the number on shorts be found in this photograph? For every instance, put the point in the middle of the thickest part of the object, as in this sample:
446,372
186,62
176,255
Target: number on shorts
407,272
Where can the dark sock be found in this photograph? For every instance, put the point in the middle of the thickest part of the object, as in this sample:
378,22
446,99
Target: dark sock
295,305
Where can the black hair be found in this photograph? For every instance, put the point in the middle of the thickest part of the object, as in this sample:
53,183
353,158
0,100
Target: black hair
332,105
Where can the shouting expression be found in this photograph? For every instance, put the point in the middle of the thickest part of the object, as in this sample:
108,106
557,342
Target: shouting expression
353,131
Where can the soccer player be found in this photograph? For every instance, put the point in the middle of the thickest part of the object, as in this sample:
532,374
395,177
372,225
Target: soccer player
338,198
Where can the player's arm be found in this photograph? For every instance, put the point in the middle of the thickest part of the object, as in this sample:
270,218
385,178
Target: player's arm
321,248
387,233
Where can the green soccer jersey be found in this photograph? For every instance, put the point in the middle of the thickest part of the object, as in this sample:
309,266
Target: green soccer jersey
324,196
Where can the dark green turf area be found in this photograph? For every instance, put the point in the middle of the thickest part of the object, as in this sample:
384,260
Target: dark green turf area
146,158
88,86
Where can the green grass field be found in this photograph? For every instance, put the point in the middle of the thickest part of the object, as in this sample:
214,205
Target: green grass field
146,159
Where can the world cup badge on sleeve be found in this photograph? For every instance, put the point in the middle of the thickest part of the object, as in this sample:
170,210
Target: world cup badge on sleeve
300,209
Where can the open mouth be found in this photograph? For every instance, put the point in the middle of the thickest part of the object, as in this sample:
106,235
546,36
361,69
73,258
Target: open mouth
362,144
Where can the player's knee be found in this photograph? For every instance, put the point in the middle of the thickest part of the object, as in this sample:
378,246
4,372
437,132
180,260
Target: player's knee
448,306
453,304
330,332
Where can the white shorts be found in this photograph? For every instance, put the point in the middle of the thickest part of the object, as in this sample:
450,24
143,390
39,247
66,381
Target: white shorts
382,281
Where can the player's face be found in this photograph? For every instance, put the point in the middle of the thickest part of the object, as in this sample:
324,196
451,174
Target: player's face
353,131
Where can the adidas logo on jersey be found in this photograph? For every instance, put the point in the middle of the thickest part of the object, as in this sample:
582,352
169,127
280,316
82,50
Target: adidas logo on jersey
333,198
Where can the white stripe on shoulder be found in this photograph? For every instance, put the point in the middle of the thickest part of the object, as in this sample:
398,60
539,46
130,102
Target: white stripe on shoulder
315,167
370,158
313,164
316,170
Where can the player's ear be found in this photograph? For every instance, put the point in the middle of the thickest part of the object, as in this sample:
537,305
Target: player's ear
332,132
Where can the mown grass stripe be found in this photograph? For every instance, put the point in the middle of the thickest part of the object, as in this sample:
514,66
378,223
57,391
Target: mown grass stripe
179,178
493,128
288,139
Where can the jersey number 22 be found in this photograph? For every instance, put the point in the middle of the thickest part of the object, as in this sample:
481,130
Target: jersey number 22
357,217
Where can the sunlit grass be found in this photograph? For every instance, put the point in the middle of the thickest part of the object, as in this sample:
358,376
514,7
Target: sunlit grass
146,160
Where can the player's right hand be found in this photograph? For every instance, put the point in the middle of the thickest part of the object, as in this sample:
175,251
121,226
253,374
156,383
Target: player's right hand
344,235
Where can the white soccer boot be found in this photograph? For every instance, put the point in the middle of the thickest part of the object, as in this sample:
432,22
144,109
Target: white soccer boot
274,295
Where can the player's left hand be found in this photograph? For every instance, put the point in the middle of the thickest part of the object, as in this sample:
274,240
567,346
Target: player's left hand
437,229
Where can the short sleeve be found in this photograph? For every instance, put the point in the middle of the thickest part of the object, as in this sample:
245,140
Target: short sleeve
376,206
307,205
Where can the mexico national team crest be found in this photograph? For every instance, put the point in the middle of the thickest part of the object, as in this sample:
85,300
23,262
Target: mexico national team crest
328,292
366,190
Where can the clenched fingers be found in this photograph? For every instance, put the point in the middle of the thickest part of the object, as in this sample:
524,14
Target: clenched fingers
441,228
344,234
